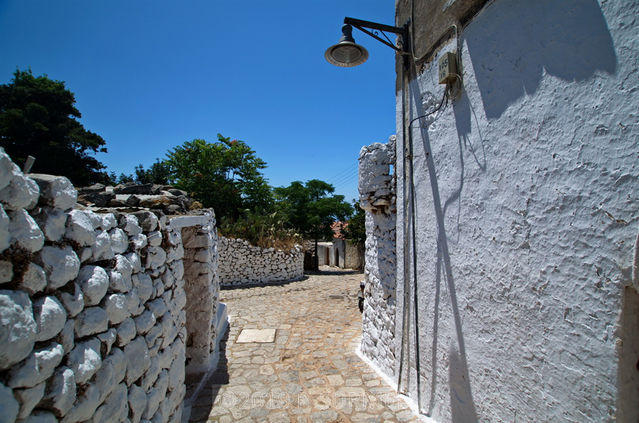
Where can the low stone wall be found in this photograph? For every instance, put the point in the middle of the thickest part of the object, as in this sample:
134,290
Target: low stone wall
243,264
93,306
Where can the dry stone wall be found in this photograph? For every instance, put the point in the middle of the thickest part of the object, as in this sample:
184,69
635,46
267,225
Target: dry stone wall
243,264
92,307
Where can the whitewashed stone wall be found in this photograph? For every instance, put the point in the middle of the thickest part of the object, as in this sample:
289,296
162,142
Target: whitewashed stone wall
92,308
377,197
241,263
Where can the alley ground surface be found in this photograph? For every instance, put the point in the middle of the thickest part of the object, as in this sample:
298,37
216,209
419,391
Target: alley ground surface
311,372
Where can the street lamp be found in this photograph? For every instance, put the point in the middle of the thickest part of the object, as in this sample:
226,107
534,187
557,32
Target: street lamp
347,53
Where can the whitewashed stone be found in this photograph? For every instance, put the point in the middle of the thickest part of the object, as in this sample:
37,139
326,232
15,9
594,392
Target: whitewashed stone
144,322
157,307
85,406
105,380
116,308
130,225
153,399
108,221
120,277
102,249
55,191
154,239
33,280
6,168
138,360
94,282
138,241
115,408
16,316
60,264
177,369
126,331
21,193
8,404
29,398
85,254
133,303
80,228
108,339
147,220
67,336
50,317
155,257
117,359
136,263
85,360
39,416
90,321
38,367
73,302
119,240
24,231
144,286
52,222
6,271
177,267
137,403
61,391
5,234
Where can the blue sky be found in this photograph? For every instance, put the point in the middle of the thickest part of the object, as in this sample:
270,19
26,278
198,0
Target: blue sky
150,75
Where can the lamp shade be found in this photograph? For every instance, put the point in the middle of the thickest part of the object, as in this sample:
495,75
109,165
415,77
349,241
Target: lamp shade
346,53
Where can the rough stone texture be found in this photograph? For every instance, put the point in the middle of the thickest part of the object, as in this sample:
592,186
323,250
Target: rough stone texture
60,264
25,232
241,263
29,398
38,367
5,235
19,327
80,228
61,391
50,317
21,193
85,360
55,191
8,404
526,216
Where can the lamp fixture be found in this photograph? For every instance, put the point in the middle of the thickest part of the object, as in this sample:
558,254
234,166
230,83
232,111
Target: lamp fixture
347,53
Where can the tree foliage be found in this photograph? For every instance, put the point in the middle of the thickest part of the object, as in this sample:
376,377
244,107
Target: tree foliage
38,118
356,228
225,175
158,173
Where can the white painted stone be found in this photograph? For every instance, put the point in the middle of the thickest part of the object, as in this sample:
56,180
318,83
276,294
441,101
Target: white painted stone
151,374
73,302
29,398
108,339
8,404
21,193
80,227
126,331
130,225
135,261
52,222
5,234
144,286
105,380
155,258
94,282
24,231
86,254
50,317
109,221
138,241
38,367
116,308
117,359
144,322
90,321
85,360
256,336
39,416
154,239
61,391
55,191
60,264
119,240
33,280
6,168
137,403
102,248
67,336
133,303
138,360
115,408
85,406
157,307
16,316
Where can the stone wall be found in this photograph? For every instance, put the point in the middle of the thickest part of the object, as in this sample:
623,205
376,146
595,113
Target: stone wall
243,264
377,197
526,196
92,307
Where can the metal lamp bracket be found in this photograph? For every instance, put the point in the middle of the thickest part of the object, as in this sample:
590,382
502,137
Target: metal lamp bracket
401,31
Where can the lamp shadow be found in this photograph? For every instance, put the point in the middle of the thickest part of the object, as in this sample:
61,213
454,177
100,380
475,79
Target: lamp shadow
512,44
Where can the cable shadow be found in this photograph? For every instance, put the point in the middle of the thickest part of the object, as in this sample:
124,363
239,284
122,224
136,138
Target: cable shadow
462,405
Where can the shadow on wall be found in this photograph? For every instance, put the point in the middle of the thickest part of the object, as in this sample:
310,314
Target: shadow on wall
511,43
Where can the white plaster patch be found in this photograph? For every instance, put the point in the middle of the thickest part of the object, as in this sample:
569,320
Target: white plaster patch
260,336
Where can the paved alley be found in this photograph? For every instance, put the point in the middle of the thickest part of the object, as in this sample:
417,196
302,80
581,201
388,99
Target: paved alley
310,371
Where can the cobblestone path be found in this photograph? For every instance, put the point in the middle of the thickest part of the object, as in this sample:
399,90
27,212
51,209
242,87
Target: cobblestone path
310,373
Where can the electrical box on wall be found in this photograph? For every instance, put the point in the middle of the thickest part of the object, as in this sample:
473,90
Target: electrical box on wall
447,68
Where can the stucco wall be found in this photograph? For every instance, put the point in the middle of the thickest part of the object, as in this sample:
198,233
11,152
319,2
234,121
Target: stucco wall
92,307
526,201
243,264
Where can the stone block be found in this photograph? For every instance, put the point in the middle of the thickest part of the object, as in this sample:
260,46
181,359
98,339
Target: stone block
147,220
29,398
25,232
38,367
7,167
21,192
115,408
73,302
154,239
137,403
155,257
50,317
80,227
133,303
119,240
108,221
85,359
108,339
144,322
136,263
117,360
90,321
8,404
126,332
138,241
102,248
85,406
52,222
55,191
137,358
60,264
116,308
19,336
130,225
61,391
144,286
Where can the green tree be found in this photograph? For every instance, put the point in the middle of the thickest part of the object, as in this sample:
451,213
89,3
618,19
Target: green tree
38,118
311,208
356,228
225,175
158,173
